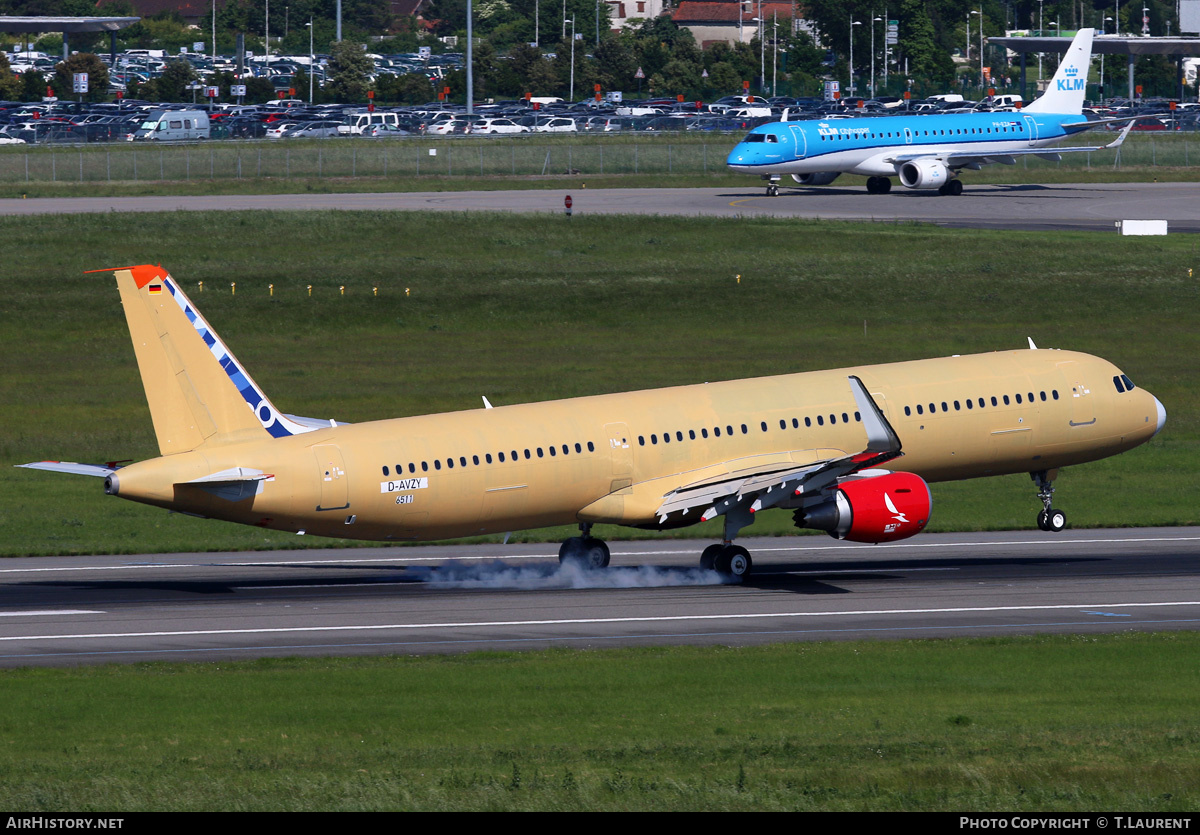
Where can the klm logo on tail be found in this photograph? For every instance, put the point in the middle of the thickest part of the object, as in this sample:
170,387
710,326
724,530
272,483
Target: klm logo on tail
1071,82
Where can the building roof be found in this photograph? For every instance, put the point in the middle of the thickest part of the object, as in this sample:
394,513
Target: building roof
724,11
64,24
189,9
1105,44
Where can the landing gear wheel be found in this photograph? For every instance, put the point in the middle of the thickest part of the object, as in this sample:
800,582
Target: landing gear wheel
586,552
772,190
708,557
1048,519
734,560
1056,520
951,188
878,185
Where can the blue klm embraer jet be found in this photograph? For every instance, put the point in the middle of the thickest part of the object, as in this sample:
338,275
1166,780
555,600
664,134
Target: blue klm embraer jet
925,152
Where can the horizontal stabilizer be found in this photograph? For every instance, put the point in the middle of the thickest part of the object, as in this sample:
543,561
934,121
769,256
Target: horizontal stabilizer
71,467
233,485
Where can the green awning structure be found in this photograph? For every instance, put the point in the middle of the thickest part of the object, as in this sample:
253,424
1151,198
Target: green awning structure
67,25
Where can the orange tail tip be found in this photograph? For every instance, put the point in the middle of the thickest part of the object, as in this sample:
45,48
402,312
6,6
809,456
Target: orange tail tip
143,274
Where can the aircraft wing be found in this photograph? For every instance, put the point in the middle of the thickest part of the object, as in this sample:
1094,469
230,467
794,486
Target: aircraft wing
1008,157
758,490
71,467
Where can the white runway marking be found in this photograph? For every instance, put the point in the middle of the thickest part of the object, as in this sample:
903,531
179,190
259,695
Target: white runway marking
427,560
583,621
38,613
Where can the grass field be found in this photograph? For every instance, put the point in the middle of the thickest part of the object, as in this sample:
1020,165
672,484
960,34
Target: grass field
1016,724
599,161
437,311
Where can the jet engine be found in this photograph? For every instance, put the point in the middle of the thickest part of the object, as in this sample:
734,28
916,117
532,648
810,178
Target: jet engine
821,178
881,508
924,173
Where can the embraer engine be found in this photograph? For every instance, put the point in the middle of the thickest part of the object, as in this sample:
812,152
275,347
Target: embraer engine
821,178
882,508
924,173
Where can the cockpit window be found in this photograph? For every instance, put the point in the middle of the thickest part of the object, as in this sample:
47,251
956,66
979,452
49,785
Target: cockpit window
1128,382
761,137
1123,383
1119,384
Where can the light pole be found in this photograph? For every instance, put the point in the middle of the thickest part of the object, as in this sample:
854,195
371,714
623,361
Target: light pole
981,46
1039,35
874,20
853,23
310,60
572,99
969,38
762,50
1105,27
774,52
887,52
1145,22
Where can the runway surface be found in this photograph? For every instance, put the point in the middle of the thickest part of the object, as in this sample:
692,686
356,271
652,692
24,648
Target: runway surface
458,598
1095,206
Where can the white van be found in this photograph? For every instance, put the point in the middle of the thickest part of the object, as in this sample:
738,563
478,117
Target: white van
1014,101
172,126
355,122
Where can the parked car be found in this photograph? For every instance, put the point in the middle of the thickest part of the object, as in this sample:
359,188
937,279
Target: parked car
497,125
309,130
385,132
555,124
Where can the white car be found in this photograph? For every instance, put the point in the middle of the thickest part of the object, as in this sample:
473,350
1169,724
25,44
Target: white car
278,129
497,125
555,124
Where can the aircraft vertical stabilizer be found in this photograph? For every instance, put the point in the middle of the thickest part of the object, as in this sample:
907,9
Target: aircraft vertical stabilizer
197,391
1066,91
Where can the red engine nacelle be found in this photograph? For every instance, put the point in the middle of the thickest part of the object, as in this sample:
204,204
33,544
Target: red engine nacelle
881,508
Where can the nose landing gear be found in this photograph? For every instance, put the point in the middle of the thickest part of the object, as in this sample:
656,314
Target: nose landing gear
1048,519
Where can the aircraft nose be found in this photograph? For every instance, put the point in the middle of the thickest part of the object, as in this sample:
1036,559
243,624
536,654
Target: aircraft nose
1162,415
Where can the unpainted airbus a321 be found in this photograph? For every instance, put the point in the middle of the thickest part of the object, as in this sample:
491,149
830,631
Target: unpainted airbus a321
926,152
814,443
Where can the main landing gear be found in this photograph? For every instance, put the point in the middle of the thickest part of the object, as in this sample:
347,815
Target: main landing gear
1048,519
584,551
589,553
878,185
951,188
727,558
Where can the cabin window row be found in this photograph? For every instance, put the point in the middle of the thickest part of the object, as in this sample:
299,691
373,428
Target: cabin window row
488,458
745,430
1003,399
952,132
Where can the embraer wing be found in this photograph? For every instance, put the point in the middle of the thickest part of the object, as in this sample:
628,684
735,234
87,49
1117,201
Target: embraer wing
1006,157
754,491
